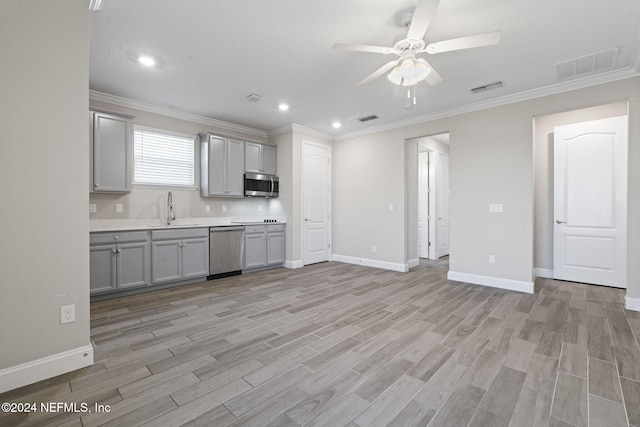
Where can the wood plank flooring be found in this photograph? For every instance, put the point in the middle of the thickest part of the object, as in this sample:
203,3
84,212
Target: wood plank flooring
341,345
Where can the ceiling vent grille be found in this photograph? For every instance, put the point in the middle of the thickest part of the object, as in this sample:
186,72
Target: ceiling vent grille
254,97
587,64
366,119
484,88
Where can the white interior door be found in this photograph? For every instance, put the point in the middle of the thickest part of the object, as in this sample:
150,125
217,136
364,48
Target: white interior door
442,204
590,193
423,204
316,195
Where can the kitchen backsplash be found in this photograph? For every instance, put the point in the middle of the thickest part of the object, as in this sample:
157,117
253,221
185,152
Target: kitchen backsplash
150,203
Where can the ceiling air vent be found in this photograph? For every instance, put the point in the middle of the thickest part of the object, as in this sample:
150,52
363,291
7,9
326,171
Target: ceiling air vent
254,97
484,88
587,64
366,119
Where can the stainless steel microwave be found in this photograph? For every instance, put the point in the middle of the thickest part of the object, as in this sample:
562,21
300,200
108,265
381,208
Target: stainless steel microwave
260,185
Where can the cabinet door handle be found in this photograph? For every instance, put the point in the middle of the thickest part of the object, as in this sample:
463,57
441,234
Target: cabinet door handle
114,251
560,222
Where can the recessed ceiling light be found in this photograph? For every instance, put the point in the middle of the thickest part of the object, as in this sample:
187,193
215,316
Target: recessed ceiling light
283,107
147,60
336,125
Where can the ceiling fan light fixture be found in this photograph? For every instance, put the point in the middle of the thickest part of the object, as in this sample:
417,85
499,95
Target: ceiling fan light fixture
409,72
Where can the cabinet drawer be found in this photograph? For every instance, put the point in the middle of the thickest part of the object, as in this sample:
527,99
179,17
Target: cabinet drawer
185,233
248,229
276,227
119,237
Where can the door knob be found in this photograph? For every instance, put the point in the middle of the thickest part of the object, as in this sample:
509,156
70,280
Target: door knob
307,219
560,222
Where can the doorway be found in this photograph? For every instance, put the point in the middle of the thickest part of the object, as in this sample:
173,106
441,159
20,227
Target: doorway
545,226
432,194
316,203
590,202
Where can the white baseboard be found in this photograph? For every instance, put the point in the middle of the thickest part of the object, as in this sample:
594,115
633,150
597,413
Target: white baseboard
494,282
47,367
545,273
414,262
403,268
297,263
631,303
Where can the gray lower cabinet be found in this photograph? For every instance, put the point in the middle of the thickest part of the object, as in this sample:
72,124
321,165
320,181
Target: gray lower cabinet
179,254
276,244
264,245
119,261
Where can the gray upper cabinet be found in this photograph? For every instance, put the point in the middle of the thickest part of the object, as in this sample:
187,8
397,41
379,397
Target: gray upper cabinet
111,151
221,166
119,261
260,158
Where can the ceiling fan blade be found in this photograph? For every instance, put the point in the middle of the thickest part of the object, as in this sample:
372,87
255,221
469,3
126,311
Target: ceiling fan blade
422,18
433,78
478,40
380,71
363,48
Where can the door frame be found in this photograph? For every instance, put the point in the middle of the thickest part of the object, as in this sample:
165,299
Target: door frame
302,195
414,146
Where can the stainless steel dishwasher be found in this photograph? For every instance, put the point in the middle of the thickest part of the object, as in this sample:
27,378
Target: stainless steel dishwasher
226,244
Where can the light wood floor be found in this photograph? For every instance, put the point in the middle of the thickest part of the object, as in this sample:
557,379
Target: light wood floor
335,344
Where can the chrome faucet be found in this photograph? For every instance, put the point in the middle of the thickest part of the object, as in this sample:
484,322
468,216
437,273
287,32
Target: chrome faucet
171,215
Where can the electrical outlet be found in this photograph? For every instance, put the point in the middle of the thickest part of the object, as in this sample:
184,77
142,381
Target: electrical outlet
118,207
67,314
374,249
259,208
224,208
492,259
390,208
93,208
207,207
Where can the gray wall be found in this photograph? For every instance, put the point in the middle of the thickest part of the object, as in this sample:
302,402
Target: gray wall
492,161
44,80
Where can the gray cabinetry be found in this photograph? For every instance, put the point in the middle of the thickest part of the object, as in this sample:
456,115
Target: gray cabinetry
110,152
276,244
264,246
260,158
221,166
119,261
255,246
179,254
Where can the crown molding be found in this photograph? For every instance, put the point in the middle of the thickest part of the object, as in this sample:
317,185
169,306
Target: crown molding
281,131
293,127
150,108
620,74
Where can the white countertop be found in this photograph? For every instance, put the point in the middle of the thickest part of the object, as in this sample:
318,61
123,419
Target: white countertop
157,224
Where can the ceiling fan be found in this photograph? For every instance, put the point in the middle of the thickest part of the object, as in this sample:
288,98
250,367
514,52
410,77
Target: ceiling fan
408,70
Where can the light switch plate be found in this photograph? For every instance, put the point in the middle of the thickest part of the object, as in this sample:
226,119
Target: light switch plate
118,207
207,207
93,208
496,208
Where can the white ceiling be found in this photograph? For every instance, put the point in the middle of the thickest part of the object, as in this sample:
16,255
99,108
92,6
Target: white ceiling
212,54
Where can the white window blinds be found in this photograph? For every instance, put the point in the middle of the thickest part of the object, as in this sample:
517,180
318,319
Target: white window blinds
163,158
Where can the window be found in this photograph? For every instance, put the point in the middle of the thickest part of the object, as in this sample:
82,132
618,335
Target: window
163,158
